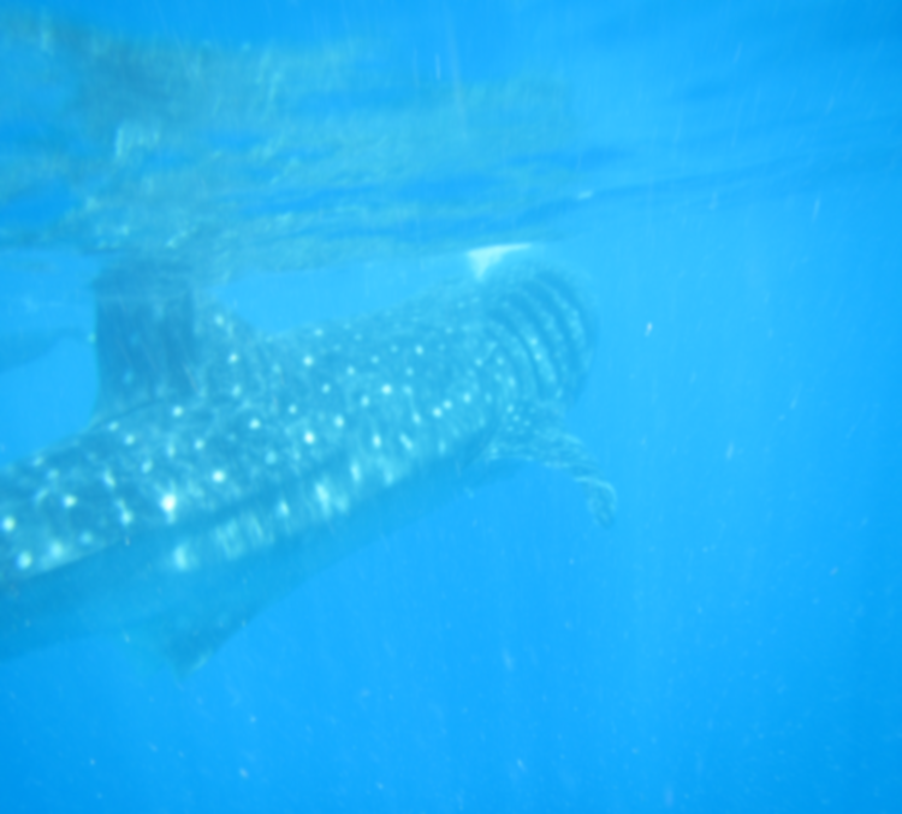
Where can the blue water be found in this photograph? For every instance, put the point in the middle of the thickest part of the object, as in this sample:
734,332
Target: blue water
734,643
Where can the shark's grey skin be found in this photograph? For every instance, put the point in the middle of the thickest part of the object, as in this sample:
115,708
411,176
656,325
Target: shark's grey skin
223,467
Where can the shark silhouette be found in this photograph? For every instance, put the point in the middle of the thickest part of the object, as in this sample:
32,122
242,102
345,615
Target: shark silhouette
223,467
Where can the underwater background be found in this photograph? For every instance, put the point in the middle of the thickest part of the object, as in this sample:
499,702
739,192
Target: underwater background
730,177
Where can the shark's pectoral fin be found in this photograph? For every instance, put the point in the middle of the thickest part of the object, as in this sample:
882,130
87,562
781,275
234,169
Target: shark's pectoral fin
184,644
540,438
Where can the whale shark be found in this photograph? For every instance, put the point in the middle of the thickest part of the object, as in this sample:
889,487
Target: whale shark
223,466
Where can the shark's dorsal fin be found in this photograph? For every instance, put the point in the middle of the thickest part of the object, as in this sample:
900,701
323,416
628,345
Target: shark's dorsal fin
145,346
23,346
164,345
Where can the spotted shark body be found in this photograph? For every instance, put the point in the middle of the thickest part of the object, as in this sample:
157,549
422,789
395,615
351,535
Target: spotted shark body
223,467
